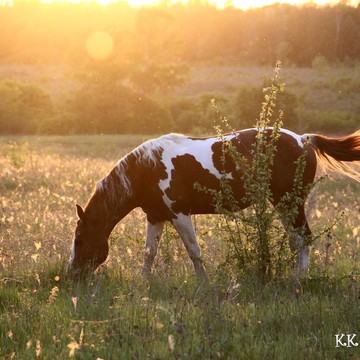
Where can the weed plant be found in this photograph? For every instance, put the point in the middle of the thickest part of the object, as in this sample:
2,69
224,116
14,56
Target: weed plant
257,240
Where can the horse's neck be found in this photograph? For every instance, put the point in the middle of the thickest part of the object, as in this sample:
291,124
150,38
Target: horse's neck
103,214
117,192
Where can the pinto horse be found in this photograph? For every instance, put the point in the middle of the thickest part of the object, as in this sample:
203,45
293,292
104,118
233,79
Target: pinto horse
159,177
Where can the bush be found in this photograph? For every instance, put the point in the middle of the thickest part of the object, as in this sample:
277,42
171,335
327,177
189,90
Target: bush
249,100
117,109
257,241
149,117
320,63
188,120
330,121
62,123
186,115
201,115
23,107
214,106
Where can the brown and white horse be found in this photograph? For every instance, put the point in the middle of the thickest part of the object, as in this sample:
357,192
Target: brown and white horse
159,177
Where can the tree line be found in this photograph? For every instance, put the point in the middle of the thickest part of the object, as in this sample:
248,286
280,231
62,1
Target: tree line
53,33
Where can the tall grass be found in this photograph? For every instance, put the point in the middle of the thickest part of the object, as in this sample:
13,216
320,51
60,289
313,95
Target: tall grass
115,314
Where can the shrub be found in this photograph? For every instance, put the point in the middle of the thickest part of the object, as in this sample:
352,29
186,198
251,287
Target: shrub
202,115
257,241
320,63
330,121
249,100
22,107
62,123
186,115
188,120
214,106
117,109
149,117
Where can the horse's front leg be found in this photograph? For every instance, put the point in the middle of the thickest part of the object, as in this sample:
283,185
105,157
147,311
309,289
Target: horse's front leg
184,227
153,236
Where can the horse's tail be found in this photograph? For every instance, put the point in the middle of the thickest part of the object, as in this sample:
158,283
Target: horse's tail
336,153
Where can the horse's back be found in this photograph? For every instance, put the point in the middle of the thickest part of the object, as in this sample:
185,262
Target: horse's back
190,169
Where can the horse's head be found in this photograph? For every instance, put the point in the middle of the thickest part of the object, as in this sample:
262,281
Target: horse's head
90,245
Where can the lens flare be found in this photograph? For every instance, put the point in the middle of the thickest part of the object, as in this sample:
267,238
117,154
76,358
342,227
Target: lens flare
99,45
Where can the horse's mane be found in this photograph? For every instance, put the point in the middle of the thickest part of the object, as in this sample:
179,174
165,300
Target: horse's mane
116,186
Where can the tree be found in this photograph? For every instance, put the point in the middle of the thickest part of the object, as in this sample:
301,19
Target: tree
23,107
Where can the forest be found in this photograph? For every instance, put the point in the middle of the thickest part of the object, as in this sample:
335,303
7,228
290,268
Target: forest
123,68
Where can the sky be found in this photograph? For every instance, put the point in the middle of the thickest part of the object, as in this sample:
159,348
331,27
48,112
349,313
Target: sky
241,4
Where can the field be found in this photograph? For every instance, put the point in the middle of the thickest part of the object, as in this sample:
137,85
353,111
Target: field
118,315
319,87
322,98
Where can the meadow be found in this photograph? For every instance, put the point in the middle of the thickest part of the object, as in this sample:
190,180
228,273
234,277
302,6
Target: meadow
116,314
324,97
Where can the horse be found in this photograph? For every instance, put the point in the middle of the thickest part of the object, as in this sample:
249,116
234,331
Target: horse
159,176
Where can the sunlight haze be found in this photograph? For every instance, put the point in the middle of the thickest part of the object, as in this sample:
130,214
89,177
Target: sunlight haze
240,4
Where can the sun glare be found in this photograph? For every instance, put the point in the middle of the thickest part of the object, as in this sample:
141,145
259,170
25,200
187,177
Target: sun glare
99,45
240,4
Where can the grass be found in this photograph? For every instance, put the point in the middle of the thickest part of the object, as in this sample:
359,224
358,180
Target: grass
115,314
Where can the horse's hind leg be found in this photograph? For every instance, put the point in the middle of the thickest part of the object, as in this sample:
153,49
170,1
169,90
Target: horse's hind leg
154,232
185,228
300,234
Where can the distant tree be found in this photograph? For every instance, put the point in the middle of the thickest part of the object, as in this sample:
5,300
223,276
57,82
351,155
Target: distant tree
154,62
106,104
23,107
347,33
167,35
150,77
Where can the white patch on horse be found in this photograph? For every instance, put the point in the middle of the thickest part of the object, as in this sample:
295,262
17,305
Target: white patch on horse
298,138
185,229
144,153
179,145
147,151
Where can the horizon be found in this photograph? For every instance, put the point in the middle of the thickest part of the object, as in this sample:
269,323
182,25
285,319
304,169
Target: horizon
219,4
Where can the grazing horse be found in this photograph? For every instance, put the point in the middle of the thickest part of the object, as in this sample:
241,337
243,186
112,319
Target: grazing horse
159,177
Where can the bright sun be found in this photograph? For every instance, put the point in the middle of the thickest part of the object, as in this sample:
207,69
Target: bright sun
240,4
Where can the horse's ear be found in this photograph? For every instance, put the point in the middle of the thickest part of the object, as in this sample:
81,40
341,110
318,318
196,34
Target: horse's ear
80,212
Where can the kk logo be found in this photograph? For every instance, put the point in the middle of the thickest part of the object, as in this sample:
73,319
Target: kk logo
345,340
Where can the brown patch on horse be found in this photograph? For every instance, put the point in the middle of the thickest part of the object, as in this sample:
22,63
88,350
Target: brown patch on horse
147,194
186,199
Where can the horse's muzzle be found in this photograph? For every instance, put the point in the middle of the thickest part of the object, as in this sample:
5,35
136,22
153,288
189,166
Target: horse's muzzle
79,272
74,272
